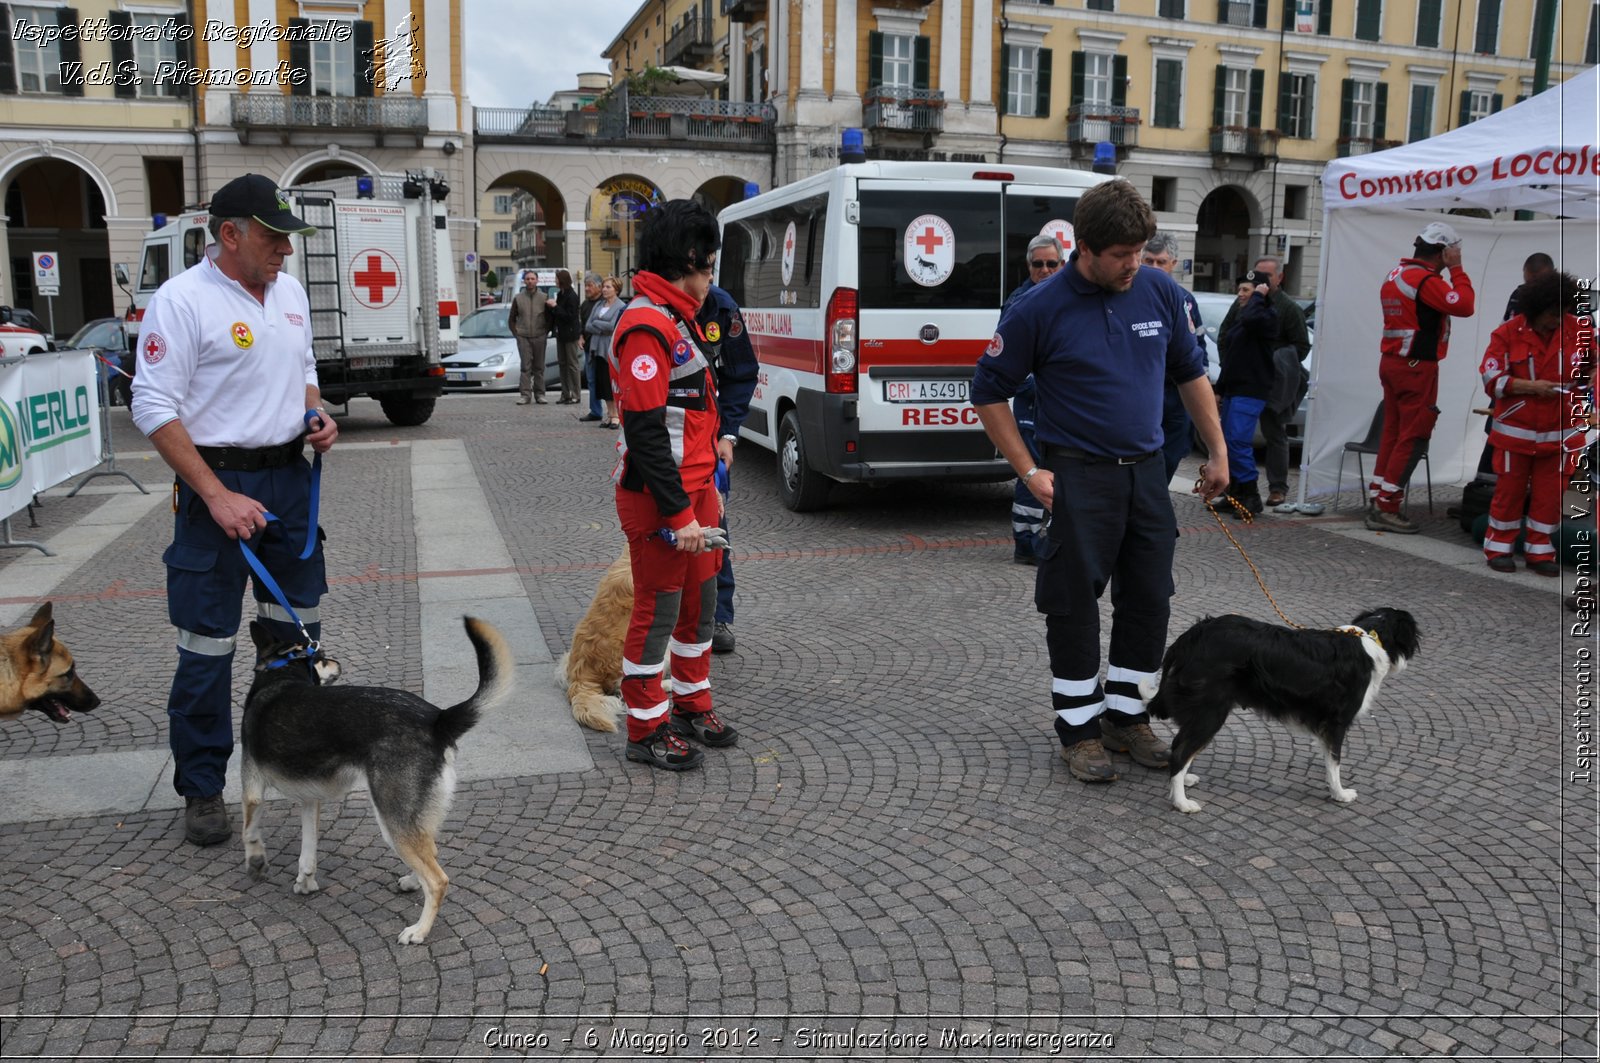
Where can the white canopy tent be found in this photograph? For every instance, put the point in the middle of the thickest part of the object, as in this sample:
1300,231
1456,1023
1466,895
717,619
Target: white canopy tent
1539,155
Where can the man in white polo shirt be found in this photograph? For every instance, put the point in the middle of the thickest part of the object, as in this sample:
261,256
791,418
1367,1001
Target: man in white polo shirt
227,392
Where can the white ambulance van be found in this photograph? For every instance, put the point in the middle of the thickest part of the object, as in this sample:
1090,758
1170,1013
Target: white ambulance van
379,274
870,292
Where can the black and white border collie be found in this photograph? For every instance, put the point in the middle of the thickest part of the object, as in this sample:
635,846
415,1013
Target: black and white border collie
1319,681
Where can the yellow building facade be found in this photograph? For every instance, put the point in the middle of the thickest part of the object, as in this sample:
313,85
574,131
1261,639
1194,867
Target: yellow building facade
1222,112
113,112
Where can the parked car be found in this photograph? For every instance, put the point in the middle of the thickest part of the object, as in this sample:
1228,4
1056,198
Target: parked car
487,359
108,336
17,338
1213,308
21,315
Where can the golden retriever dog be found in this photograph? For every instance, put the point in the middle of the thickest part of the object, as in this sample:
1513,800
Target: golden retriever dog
591,671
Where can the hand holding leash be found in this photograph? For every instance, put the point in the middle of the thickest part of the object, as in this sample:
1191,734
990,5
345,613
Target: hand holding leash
240,516
321,430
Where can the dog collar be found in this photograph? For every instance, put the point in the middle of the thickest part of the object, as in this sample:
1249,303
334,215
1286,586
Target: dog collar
1352,629
299,653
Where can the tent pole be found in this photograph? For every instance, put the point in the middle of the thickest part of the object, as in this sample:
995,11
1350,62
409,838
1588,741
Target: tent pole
1313,509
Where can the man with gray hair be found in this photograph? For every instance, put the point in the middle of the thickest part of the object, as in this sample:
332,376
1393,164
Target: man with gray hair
1161,251
1027,513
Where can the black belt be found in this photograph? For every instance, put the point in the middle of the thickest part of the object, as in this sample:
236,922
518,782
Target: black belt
1056,450
241,459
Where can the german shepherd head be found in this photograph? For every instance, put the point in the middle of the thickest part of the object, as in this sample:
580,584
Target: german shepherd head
36,672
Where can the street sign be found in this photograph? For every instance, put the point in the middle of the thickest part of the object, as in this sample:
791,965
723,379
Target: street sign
46,273
469,262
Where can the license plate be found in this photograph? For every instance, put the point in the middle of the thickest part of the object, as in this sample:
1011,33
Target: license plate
925,390
455,376
371,362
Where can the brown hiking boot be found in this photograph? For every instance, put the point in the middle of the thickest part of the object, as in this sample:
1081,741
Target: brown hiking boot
1138,741
1087,760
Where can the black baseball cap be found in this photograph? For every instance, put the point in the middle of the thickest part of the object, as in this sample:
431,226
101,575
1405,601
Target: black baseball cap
256,197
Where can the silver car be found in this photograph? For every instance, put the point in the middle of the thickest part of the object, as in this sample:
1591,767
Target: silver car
486,358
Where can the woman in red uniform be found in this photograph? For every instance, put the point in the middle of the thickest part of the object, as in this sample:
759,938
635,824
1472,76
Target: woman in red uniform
1532,370
666,495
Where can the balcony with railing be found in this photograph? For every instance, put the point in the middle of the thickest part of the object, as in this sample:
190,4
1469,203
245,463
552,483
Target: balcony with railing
690,43
893,109
1091,123
280,114
1232,144
1348,146
1237,12
656,120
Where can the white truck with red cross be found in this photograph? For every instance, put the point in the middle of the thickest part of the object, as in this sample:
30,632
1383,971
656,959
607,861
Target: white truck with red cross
378,272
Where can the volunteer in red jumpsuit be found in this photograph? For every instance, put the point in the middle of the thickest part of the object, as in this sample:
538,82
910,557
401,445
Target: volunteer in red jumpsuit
665,390
1418,303
1536,370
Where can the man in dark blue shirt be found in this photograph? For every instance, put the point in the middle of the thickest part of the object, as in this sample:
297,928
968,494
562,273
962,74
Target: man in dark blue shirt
1100,338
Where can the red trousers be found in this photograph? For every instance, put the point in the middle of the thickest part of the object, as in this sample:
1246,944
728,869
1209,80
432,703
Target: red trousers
674,607
1547,475
1410,398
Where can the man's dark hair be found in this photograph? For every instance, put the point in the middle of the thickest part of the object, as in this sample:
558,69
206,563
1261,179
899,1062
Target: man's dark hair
1422,249
678,238
1111,215
1548,291
1539,262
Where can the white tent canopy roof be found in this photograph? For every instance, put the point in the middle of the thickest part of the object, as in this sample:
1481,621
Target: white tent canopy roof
1537,155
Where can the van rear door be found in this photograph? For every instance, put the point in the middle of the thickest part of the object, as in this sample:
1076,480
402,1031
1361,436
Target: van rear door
1034,210
929,288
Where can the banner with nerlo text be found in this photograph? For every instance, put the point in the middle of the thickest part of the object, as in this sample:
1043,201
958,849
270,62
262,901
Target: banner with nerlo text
49,423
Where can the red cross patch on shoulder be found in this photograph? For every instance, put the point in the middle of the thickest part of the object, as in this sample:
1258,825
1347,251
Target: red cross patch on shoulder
154,347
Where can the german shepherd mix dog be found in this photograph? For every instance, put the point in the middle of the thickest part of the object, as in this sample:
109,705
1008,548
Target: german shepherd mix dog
36,672
316,743
1319,682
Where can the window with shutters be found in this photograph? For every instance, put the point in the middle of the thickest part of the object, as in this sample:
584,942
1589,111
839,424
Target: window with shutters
1308,16
502,204
1363,110
1478,104
333,61
1022,81
1430,22
1172,9
1101,5
1167,112
1544,9
502,241
1097,88
899,61
38,62
155,50
1296,101
1369,20
1419,125
1485,40
1235,97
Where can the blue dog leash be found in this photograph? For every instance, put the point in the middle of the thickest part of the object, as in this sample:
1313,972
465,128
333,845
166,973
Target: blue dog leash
260,570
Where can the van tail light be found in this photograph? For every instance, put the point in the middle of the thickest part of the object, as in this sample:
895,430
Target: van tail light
843,328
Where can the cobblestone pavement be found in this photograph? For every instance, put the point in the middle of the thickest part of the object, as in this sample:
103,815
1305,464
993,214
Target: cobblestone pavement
893,863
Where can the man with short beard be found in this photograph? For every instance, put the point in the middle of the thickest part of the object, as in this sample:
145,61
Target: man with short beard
1100,339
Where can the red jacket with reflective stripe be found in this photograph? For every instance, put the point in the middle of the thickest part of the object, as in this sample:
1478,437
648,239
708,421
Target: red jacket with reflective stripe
667,396
1535,424
1417,306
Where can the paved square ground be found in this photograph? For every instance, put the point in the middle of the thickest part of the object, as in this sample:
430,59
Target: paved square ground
893,863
